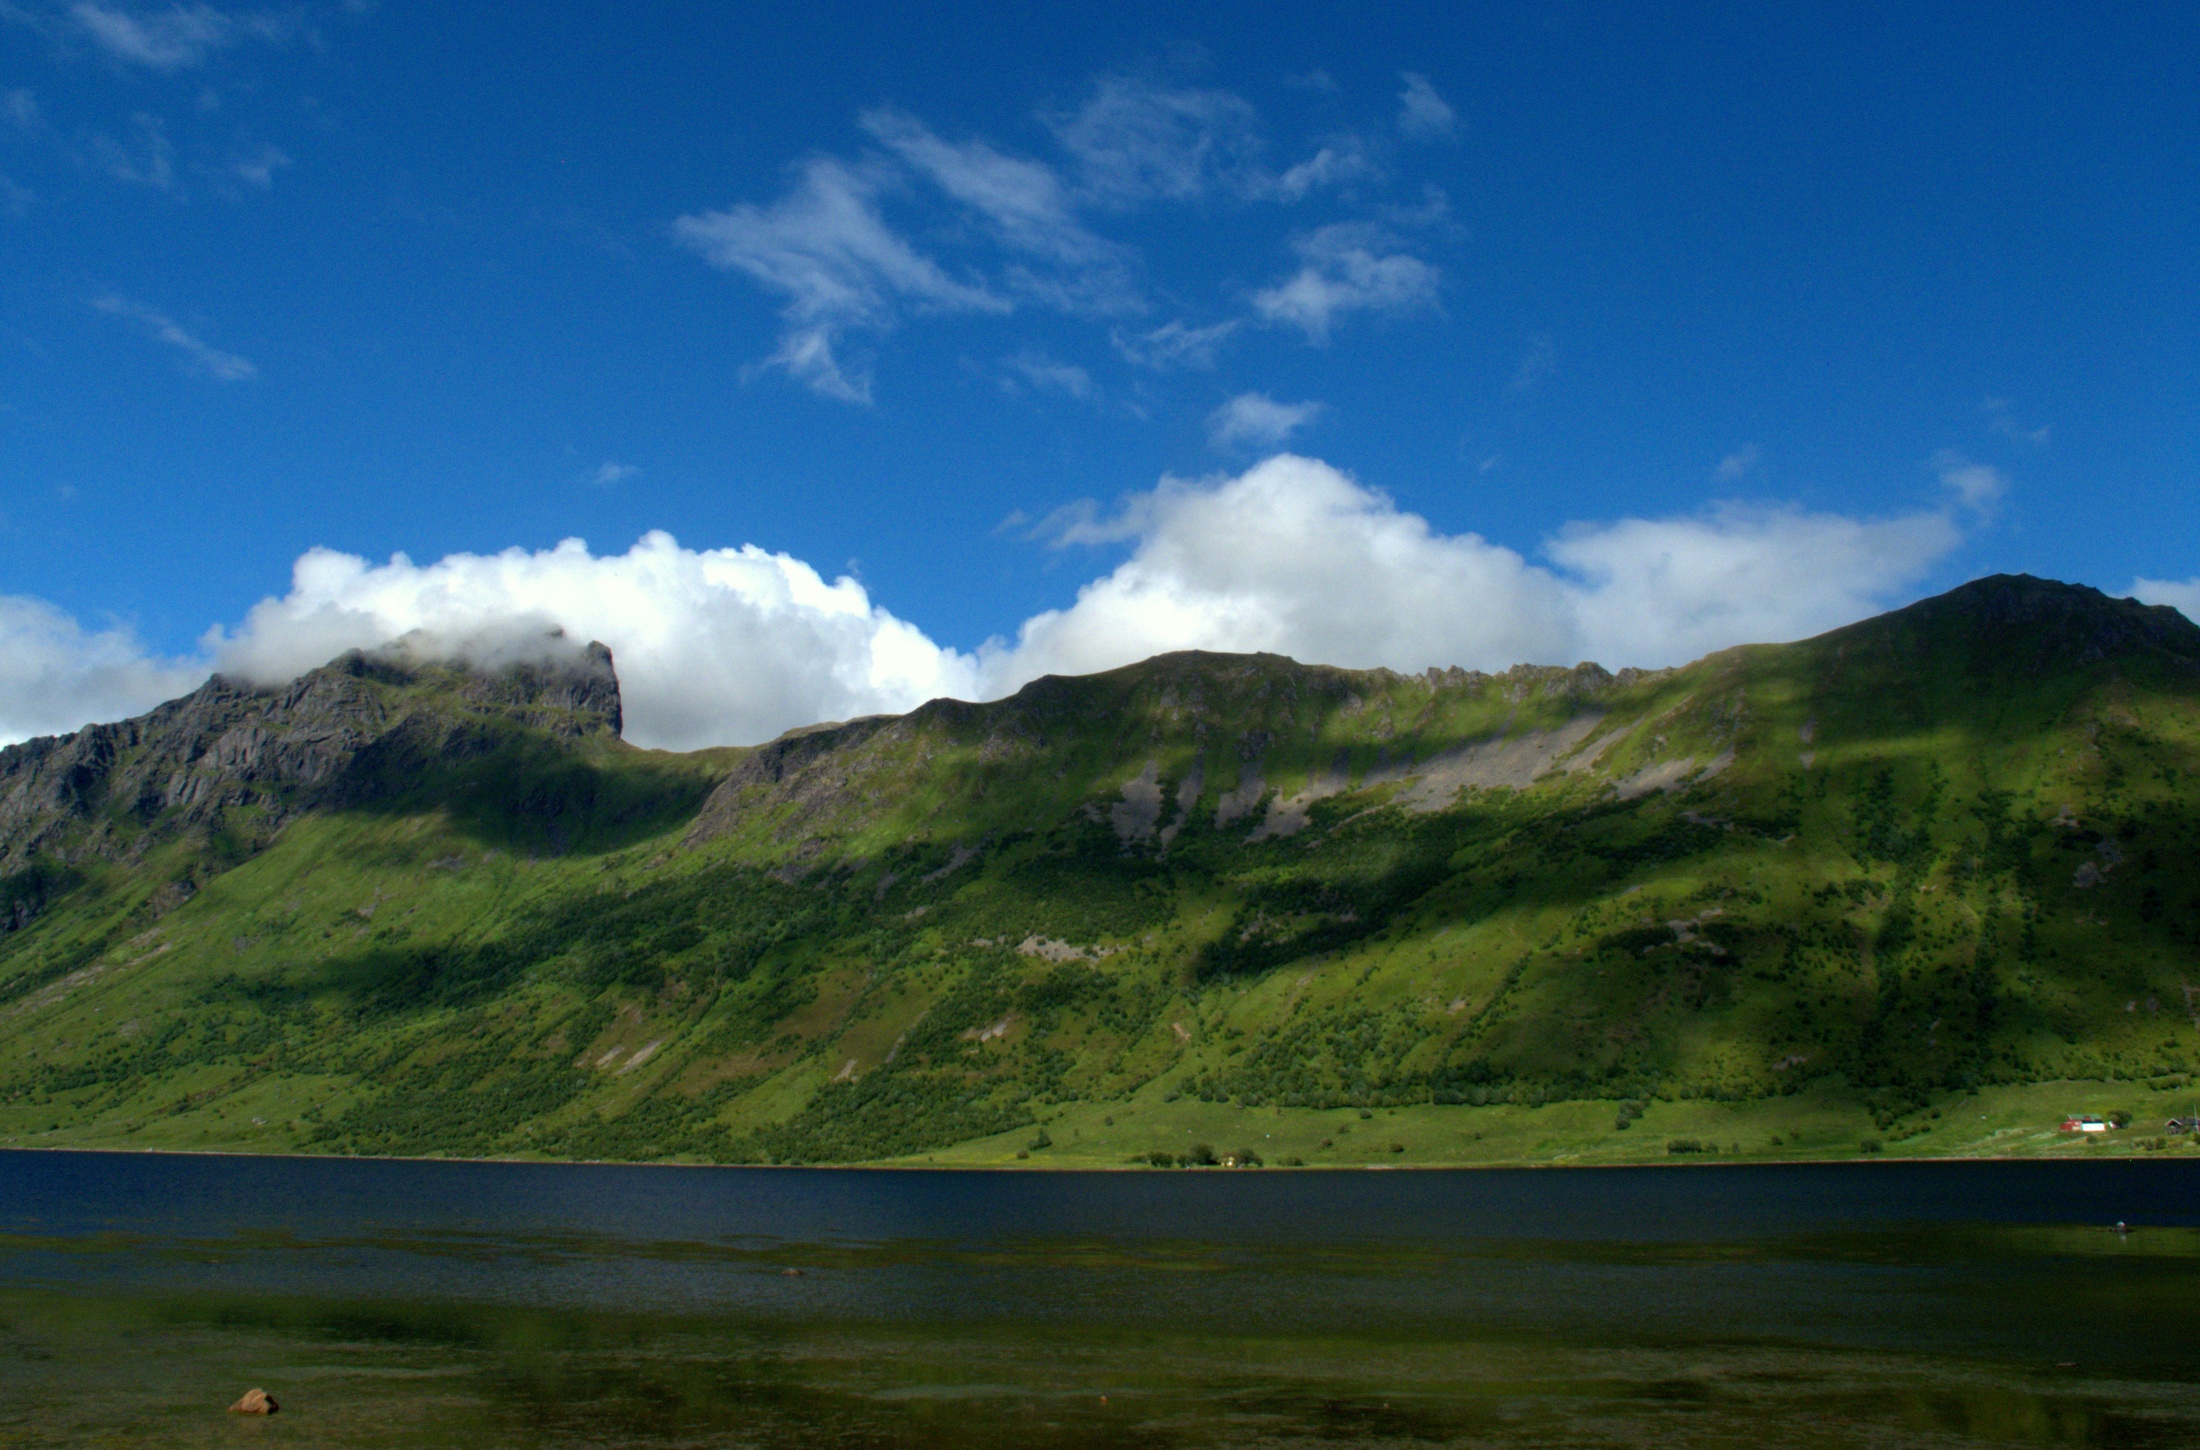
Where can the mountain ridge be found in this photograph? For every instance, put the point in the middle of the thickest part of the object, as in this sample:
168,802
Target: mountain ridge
236,753
1942,852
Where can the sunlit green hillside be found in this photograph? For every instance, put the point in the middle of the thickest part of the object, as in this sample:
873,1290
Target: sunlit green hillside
1926,883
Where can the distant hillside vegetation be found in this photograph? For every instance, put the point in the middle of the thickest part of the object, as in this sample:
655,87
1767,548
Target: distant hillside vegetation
1812,896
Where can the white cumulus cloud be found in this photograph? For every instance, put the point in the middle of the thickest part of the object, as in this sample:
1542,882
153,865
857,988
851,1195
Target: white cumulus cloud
1664,591
734,645
2183,596
56,675
712,646
1298,558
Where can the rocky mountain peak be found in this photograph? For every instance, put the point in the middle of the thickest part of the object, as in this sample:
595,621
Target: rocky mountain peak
254,756
2017,621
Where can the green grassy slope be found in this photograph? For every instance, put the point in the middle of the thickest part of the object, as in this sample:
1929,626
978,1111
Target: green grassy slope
1926,883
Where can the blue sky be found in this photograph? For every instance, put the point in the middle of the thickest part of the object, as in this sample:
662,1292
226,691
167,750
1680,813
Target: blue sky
1583,332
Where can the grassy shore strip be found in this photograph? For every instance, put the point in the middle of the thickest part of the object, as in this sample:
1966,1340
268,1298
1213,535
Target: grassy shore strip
1994,1123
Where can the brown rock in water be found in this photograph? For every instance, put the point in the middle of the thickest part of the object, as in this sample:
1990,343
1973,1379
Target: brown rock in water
255,1402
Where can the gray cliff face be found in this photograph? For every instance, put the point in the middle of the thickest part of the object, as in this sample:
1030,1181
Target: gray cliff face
354,729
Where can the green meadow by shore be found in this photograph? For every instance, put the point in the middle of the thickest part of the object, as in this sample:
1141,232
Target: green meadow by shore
1821,1126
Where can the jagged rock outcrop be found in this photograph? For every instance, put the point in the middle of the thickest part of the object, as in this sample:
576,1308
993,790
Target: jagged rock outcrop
342,734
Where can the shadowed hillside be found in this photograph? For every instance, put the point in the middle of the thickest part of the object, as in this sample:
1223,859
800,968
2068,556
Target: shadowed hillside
1786,899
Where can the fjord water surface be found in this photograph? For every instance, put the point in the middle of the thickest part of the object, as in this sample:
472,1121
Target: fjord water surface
491,1305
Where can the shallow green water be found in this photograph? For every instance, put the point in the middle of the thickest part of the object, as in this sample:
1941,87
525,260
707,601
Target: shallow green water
407,1304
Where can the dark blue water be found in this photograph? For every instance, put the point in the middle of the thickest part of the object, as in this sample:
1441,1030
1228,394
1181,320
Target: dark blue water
77,1193
1988,1302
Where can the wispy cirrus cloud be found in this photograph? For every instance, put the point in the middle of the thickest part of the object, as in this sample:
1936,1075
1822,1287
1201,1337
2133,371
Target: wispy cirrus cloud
1538,360
841,268
172,37
147,159
1027,208
1979,487
194,136
828,252
1345,268
209,362
159,39
1735,464
1034,369
2001,417
1172,345
1422,113
258,168
1258,421
1003,232
1133,140
141,153
1338,162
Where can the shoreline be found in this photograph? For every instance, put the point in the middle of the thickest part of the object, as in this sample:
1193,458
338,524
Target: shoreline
1690,1161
